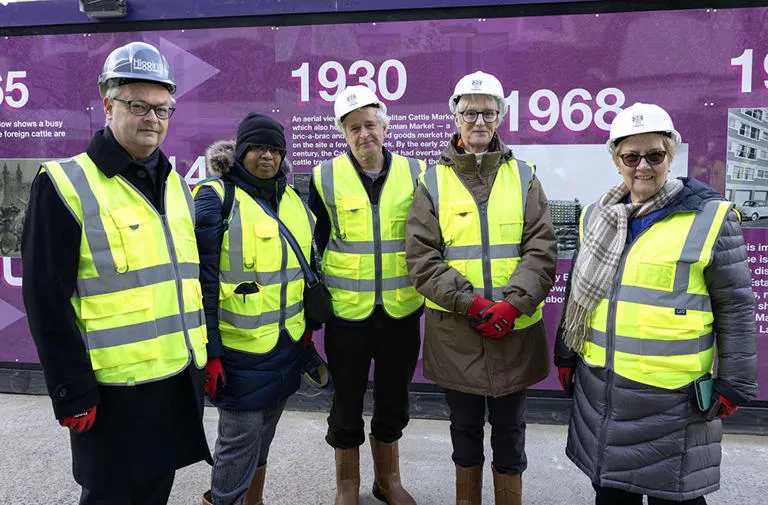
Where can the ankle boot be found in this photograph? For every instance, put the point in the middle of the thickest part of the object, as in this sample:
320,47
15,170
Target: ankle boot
386,469
207,500
469,485
348,476
255,491
508,488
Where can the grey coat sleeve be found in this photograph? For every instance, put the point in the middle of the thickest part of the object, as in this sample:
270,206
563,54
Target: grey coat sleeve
430,275
535,274
729,282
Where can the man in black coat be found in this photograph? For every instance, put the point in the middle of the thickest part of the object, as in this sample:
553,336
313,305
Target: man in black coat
127,437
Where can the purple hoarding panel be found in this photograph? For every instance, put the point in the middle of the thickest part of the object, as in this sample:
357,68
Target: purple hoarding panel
59,12
565,76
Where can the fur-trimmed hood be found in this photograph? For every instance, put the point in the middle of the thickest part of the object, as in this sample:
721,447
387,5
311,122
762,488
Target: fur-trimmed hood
220,158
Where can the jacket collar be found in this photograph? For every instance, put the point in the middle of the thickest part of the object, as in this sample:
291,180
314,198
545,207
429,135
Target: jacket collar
464,162
107,153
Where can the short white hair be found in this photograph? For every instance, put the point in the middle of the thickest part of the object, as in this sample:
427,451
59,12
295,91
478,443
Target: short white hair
466,100
380,114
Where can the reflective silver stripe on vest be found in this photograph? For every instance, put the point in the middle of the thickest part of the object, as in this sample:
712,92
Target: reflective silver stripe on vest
365,247
189,198
97,235
271,317
526,176
430,181
235,234
694,244
329,192
263,278
139,332
497,294
469,252
133,278
109,280
415,169
366,285
653,347
673,300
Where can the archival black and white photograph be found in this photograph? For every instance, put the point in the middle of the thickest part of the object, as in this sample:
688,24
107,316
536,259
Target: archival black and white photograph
16,177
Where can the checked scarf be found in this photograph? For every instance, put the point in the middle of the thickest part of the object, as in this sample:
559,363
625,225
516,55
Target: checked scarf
600,253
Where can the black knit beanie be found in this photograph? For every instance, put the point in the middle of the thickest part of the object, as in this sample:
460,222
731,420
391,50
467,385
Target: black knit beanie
258,130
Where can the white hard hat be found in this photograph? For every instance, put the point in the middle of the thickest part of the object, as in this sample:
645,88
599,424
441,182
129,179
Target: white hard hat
641,118
351,99
478,83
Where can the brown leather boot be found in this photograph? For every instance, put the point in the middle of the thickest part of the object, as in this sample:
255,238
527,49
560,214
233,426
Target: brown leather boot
348,476
469,485
386,468
508,489
254,494
207,500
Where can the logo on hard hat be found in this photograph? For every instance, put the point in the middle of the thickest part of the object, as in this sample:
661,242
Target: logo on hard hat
352,99
637,121
147,63
477,83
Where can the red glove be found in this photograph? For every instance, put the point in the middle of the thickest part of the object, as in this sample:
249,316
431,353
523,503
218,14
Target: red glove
565,375
306,339
214,373
478,304
725,408
498,319
80,422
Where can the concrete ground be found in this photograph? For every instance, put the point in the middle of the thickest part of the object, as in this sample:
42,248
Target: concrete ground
35,463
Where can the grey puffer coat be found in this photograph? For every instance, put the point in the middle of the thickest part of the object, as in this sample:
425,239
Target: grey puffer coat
455,355
655,441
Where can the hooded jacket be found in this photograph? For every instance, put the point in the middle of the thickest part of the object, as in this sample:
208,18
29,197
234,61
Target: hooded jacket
655,441
253,382
455,355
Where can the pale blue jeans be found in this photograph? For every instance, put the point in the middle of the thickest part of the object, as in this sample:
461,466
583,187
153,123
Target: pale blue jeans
241,447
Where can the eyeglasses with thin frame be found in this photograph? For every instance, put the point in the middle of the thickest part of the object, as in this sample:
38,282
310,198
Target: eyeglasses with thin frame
260,150
142,108
632,160
470,116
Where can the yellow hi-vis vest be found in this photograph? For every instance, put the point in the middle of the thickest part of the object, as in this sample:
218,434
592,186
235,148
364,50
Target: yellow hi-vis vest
482,242
364,262
138,301
655,324
254,251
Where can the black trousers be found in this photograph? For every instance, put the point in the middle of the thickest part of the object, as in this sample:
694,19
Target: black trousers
506,414
611,496
153,492
393,344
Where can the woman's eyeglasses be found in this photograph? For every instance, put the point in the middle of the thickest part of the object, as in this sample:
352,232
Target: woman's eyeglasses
633,159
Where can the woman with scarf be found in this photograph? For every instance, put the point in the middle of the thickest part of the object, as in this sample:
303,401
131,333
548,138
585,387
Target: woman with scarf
659,285
252,294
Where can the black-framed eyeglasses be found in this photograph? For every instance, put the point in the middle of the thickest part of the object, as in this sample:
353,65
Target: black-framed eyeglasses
470,116
142,108
653,158
260,150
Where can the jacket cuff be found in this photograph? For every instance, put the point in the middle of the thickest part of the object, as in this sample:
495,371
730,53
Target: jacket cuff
214,348
731,394
73,397
463,301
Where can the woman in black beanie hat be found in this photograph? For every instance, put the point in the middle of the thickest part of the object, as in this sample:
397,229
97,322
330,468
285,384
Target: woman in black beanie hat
252,294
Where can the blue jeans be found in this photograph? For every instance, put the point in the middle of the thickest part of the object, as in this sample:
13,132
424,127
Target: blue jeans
241,447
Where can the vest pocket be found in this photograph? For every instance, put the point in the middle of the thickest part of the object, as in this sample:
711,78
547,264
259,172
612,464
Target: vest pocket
462,223
353,218
655,275
342,277
137,244
397,228
510,232
120,328
401,270
265,257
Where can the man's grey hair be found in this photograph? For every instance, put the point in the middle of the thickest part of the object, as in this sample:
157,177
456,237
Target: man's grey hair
466,100
380,114
113,89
